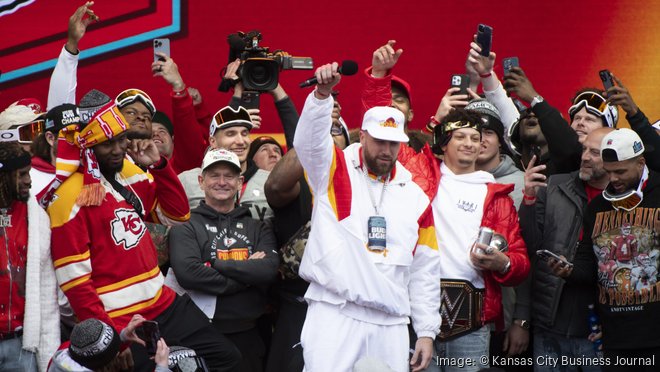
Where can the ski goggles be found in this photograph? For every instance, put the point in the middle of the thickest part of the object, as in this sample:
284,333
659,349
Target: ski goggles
592,101
25,133
626,201
228,117
130,96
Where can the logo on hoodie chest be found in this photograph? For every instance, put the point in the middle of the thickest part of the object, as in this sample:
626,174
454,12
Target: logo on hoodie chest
230,245
467,206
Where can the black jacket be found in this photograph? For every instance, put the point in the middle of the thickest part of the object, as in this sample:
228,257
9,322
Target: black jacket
563,145
651,139
565,149
554,223
210,253
625,265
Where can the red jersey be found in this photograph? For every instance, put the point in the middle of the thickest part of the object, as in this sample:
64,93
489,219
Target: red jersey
104,258
13,257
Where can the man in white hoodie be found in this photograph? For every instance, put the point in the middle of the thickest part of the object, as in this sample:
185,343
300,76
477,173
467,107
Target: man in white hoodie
463,201
371,258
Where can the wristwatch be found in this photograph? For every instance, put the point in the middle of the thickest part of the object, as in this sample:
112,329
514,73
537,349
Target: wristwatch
524,324
535,100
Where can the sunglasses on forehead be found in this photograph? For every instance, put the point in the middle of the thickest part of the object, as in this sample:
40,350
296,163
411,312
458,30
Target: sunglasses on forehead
130,96
25,133
453,125
592,101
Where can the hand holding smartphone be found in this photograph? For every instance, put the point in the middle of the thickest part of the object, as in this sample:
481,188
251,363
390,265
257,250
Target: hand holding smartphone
149,332
161,46
606,78
484,38
509,63
250,99
546,255
461,81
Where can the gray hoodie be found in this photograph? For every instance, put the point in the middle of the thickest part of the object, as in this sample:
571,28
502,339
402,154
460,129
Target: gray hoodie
506,172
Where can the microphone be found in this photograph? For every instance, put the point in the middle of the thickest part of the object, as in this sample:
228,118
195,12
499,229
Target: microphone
347,68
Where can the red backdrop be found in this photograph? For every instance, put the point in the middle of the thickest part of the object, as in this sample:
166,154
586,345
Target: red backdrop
561,45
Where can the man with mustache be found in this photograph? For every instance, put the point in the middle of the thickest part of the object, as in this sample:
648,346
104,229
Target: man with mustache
550,218
626,212
464,200
371,257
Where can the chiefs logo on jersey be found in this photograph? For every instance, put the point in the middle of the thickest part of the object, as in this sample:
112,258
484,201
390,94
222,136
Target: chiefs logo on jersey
127,228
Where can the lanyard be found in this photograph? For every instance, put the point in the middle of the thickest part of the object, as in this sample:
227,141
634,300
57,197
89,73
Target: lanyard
371,194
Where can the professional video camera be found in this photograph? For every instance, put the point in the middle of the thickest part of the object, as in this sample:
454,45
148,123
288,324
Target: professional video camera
260,69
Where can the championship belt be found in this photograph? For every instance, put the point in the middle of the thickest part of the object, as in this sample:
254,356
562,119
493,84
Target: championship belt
461,307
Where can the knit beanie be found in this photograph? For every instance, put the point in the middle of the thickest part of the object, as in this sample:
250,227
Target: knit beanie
491,120
162,118
260,141
92,102
183,359
94,344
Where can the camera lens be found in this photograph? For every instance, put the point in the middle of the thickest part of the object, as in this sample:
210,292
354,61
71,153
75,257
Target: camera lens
260,74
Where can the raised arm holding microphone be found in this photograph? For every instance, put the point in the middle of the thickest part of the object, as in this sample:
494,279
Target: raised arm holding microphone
371,258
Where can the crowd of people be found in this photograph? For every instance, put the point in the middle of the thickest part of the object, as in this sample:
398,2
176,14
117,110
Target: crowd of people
502,236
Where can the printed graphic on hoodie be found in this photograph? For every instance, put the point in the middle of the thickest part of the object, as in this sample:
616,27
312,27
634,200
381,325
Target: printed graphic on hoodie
230,245
627,247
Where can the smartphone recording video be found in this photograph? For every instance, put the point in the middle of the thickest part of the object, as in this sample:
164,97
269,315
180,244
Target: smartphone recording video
509,63
484,39
461,81
161,46
606,78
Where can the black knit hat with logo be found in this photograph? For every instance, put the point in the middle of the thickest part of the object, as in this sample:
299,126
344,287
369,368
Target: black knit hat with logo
94,344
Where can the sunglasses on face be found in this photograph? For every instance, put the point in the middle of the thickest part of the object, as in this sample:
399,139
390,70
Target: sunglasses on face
130,96
25,133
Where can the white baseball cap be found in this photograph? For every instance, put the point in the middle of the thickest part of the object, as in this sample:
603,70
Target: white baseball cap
385,123
621,144
221,155
17,114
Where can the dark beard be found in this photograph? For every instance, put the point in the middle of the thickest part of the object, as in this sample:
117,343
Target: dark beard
16,195
532,139
379,170
110,171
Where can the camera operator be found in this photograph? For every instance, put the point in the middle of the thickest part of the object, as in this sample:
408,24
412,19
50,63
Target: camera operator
252,195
